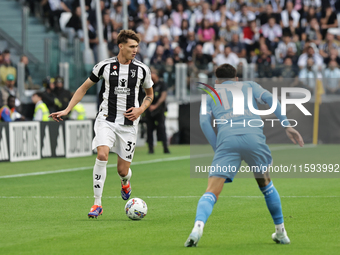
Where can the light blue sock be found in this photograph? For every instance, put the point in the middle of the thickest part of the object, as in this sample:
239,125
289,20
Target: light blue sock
273,201
205,206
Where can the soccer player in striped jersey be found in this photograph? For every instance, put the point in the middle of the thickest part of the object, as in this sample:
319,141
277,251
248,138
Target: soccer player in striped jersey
119,112
237,142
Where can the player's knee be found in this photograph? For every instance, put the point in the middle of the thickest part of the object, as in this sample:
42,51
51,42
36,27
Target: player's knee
102,156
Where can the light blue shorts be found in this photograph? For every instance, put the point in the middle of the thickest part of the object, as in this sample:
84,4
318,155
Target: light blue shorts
251,148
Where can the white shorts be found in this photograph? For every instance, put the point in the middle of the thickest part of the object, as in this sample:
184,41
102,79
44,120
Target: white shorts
121,139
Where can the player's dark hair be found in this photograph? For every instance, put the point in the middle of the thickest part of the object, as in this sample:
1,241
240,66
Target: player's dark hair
124,35
225,71
39,94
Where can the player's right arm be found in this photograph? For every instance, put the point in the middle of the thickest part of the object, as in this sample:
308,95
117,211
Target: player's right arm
208,131
78,95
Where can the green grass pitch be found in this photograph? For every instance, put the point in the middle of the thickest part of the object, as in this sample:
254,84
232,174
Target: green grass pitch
47,214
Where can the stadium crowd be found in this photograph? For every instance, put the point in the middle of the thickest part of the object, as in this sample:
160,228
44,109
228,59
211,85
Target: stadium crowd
297,39
283,38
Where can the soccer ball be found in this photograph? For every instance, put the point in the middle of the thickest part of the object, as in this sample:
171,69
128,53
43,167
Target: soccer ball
136,209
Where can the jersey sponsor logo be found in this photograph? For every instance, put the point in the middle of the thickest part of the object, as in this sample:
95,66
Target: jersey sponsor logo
133,73
114,73
120,90
122,82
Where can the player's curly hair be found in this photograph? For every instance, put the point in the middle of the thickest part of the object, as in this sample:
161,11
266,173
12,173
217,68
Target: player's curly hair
225,71
124,35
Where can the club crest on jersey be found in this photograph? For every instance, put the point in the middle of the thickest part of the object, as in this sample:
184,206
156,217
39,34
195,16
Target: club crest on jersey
114,67
122,82
133,73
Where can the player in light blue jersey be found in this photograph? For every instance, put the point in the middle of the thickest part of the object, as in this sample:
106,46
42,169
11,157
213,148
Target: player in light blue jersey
236,140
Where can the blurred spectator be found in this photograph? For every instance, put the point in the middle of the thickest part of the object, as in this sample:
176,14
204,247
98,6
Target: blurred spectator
141,14
293,56
164,5
272,32
28,79
243,16
56,8
116,16
185,28
159,19
48,96
267,13
170,31
307,76
158,60
10,90
237,46
74,26
7,67
308,15
178,15
168,74
290,12
78,112
108,31
281,50
177,55
227,57
265,63
327,45
189,45
227,32
312,32
256,6
8,112
205,32
41,111
288,70
328,20
295,32
149,32
334,55
155,118
332,77
310,53
63,95
206,13
200,60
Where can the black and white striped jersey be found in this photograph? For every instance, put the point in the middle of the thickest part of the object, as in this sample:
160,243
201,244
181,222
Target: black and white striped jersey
121,87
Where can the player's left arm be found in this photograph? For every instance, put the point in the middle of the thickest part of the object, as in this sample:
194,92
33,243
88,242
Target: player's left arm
133,113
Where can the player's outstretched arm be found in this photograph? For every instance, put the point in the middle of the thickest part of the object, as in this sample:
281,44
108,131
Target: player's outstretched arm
294,136
78,95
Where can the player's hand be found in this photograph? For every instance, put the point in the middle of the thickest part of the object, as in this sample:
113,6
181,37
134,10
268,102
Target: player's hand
57,115
294,136
133,113
152,107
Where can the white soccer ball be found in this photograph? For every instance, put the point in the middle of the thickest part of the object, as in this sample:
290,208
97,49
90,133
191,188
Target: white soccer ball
136,209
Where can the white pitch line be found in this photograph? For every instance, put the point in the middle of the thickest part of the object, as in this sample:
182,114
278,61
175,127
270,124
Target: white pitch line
152,197
140,162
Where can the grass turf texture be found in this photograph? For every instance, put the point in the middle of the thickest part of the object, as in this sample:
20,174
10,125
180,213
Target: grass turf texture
47,214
